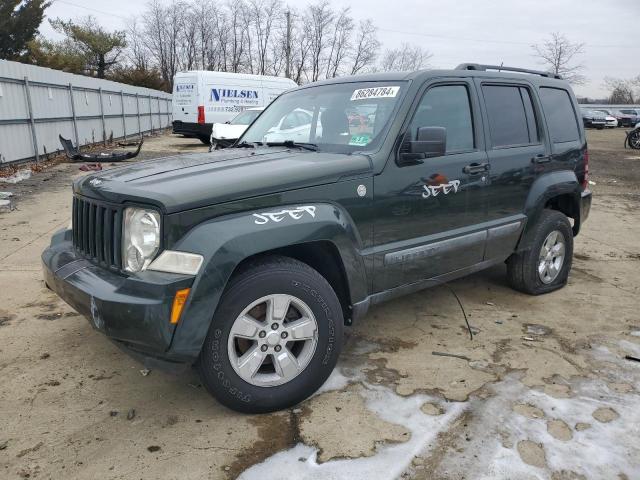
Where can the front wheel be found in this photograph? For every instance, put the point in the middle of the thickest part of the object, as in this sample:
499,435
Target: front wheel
545,266
275,337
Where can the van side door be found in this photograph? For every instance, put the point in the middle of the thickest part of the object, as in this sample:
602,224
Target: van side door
518,153
428,212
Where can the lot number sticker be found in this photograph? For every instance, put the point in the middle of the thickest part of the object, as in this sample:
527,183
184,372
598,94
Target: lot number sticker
376,92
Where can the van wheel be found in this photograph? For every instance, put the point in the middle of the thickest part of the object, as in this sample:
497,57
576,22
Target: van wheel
274,339
545,266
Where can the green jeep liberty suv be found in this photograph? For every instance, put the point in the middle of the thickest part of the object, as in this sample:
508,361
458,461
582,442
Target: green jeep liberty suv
248,262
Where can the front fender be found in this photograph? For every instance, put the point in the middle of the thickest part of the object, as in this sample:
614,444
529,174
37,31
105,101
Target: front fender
226,241
546,187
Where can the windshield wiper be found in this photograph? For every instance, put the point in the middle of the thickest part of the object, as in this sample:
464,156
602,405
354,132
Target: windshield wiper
247,145
291,144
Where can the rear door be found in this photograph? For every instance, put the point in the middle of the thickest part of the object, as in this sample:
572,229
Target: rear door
185,98
517,154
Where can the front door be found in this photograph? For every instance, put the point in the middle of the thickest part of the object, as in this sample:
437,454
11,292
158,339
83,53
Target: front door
427,213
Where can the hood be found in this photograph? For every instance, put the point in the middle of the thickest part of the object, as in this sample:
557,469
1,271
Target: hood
190,181
225,131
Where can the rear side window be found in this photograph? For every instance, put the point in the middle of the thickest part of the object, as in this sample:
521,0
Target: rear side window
560,115
511,115
447,106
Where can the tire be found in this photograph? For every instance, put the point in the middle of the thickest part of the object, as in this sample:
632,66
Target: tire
633,139
268,390
523,267
204,139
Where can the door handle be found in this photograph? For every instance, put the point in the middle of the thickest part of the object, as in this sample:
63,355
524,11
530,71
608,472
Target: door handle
476,168
541,159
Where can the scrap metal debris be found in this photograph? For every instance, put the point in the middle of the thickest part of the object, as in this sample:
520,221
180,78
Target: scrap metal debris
75,156
455,355
535,329
19,176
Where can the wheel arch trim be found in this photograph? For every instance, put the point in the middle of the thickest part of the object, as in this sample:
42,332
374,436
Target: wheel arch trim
226,242
562,183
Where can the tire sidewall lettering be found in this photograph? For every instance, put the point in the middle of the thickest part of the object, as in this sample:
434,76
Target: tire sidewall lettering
217,366
326,358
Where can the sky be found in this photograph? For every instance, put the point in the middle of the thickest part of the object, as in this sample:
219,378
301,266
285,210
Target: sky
461,31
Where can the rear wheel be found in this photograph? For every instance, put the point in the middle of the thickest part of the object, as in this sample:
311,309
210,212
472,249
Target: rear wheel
545,267
275,337
634,139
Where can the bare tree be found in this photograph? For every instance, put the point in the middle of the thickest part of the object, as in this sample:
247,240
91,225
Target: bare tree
623,91
300,47
202,12
340,42
162,30
406,57
319,20
188,40
366,47
265,15
251,36
558,54
136,52
221,34
238,29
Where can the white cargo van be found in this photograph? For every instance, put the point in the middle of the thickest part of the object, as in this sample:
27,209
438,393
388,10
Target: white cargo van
202,98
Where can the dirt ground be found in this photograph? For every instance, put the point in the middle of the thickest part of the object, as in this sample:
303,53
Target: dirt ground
543,390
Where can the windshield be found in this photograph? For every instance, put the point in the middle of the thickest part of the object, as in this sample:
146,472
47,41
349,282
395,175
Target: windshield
245,118
339,118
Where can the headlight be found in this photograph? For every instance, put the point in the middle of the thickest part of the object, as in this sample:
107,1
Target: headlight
140,238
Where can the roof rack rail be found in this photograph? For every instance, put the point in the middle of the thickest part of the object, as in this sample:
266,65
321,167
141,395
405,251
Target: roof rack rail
484,68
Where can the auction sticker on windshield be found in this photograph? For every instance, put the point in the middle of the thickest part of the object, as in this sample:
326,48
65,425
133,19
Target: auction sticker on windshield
375,92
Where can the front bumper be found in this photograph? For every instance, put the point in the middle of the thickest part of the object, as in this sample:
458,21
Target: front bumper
192,129
133,311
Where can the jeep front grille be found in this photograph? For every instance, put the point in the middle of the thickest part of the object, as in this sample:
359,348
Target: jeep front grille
97,231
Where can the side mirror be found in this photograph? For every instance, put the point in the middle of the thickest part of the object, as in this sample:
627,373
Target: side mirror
430,142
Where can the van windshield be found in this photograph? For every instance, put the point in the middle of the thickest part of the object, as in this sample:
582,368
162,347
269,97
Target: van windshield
341,118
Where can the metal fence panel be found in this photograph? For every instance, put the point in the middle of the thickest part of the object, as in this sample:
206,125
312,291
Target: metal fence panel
38,104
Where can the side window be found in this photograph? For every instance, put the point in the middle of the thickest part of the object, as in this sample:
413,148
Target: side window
446,106
507,115
303,118
534,135
560,115
289,122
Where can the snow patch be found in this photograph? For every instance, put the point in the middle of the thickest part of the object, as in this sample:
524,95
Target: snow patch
336,381
604,450
389,461
489,450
